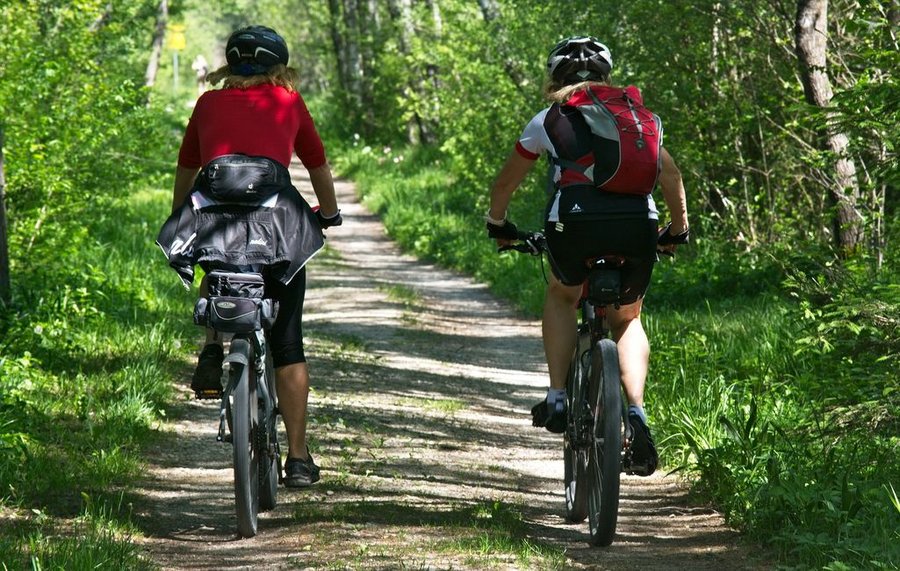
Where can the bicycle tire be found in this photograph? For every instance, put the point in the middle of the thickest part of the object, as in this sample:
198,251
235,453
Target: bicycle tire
575,455
604,466
244,441
267,442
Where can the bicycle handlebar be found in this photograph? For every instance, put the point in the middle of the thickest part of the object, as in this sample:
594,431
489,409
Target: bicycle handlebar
533,243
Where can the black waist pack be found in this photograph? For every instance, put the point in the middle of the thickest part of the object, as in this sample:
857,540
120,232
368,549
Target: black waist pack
239,178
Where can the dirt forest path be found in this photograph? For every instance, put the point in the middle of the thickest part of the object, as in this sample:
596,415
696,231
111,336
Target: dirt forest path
422,385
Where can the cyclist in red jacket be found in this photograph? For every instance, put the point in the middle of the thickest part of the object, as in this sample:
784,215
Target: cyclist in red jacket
259,113
582,221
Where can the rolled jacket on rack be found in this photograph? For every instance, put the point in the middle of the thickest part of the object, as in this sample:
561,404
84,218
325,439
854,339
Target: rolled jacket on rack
279,234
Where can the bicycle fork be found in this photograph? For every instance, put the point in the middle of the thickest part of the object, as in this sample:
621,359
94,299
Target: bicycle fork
266,395
582,418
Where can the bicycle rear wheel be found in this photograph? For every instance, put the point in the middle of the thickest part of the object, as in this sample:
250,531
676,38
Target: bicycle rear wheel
267,437
575,453
245,452
604,465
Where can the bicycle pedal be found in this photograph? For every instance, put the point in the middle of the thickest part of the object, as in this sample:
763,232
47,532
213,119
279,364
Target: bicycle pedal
228,438
208,394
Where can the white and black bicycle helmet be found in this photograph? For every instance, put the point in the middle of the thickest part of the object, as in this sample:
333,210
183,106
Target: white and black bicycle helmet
254,50
579,58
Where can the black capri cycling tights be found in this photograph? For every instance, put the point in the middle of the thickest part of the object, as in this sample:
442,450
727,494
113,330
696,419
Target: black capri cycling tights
633,239
286,336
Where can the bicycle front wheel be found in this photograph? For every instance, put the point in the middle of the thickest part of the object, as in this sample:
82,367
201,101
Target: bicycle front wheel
604,464
244,437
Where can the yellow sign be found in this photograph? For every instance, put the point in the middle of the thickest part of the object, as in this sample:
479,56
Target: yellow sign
175,39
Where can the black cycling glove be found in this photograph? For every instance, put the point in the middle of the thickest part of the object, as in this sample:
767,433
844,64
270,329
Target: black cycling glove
506,231
666,237
324,222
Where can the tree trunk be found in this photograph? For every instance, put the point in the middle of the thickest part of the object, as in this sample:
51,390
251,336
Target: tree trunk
344,18
811,42
436,17
353,54
491,13
489,10
159,34
337,41
102,19
369,32
419,129
4,245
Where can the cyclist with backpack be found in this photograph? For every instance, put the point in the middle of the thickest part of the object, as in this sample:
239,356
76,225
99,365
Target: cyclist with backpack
606,156
240,140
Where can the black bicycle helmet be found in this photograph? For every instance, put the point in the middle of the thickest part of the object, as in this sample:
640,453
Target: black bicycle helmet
579,58
254,50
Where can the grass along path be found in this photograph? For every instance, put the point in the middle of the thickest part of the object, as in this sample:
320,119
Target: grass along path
419,419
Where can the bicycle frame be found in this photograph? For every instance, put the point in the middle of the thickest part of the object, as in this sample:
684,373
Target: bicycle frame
249,406
593,327
594,452
257,341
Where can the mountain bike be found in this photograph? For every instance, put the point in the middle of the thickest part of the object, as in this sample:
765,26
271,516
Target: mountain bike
236,304
597,436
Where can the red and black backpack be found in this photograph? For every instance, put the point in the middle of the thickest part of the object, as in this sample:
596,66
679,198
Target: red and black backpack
615,138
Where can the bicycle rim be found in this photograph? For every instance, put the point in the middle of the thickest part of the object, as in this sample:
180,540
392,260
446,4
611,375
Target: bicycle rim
267,444
244,449
575,457
605,462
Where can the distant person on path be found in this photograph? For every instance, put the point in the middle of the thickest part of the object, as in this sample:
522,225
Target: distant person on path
201,68
259,115
584,220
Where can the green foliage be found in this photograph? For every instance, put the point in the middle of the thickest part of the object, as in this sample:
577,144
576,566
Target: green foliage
98,540
772,365
788,412
86,344
772,377
93,358
85,376
76,125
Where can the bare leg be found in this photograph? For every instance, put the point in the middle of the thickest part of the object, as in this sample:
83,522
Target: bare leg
560,320
293,396
634,349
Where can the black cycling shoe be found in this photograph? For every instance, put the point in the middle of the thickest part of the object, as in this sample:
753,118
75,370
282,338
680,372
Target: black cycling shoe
644,458
299,473
555,422
207,380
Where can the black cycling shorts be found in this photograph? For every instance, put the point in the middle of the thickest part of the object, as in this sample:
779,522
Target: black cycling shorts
632,238
286,337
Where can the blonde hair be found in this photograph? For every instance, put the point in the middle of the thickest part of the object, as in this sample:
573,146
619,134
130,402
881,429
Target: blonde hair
278,74
558,93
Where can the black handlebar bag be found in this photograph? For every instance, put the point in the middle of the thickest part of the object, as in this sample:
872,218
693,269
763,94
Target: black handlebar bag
240,178
236,303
